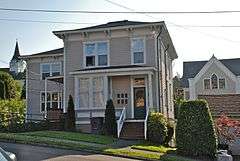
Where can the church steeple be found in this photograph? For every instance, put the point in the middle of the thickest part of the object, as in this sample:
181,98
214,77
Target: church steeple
16,52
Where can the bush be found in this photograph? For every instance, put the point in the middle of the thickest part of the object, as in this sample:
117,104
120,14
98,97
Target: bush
195,134
157,128
70,115
11,112
12,89
170,133
110,123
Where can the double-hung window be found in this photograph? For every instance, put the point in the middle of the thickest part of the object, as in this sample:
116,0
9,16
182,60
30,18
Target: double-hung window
96,54
54,100
138,49
50,69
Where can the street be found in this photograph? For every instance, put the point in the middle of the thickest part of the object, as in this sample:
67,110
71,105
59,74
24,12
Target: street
38,153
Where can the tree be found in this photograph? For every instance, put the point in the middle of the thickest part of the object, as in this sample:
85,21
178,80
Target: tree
12,88
70,115
110,119
3,90
178,94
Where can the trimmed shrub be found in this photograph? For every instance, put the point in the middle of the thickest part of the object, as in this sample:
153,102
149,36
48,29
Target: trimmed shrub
12,89
157,128
70,115
170,133
195,133
110,123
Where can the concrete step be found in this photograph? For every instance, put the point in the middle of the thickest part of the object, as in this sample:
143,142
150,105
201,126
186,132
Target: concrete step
132,130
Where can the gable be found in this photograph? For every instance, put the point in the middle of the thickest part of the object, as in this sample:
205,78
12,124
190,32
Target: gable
191,69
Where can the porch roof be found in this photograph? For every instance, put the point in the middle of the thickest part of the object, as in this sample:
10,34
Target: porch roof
116,70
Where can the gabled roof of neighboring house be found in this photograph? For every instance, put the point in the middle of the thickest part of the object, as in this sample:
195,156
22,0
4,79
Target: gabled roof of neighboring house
53,52
192,68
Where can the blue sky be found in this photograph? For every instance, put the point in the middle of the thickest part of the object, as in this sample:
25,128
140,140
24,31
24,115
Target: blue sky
190,43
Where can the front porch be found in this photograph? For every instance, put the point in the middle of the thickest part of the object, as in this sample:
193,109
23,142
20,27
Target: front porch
131,90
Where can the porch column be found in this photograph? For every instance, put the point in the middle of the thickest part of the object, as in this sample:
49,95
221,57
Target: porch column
76,92
105,90
150,96
45,99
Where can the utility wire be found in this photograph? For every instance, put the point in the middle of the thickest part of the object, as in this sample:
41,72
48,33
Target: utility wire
176,25
38,21
119,12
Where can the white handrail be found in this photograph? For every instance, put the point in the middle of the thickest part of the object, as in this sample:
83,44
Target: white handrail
120,121
145,124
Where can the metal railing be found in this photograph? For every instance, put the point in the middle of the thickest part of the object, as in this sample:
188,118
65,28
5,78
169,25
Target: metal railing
120,121
145,124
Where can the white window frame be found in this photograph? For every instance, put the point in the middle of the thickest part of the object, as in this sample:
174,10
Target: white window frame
41,68
144,50
225,85
51,92
217,82
209,83
96,54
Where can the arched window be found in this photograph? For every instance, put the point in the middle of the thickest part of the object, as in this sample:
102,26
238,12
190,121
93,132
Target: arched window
214,81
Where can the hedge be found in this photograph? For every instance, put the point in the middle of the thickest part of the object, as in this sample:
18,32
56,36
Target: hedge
195,133
157,128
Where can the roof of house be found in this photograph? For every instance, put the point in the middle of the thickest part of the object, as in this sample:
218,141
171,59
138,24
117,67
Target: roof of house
192,68
5,70
111,25
45,53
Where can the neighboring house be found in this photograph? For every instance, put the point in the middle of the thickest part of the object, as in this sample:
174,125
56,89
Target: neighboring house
217,81
127,61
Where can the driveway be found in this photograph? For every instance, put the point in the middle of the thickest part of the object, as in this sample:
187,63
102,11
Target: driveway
38,153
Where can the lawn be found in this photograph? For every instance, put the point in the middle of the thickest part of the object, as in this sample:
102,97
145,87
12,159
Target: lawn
153,148
95,143
73,136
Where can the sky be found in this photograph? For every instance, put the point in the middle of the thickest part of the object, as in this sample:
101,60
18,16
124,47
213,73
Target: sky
191,43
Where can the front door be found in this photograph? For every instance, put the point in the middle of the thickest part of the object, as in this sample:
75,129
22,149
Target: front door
139,102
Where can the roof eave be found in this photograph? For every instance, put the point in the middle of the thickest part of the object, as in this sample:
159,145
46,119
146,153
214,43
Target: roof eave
61,34
24,57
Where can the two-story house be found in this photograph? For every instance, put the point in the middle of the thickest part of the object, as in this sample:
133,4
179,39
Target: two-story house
127,61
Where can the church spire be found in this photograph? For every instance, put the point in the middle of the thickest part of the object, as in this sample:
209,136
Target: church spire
16,52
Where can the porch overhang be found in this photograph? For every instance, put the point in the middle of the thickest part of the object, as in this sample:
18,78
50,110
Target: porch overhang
114,71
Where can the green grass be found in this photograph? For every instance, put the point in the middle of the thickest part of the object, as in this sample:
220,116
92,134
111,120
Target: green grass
153,148
69,140
73,136
45,141
130,153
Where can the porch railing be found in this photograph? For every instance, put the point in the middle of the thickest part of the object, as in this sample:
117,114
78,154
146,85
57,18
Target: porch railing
145,124
120,121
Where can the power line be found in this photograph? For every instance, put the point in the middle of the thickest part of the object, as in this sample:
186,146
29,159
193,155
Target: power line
119,12
39,21
176,25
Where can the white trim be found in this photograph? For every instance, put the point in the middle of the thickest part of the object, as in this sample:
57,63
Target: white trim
39,56
150,96
65,77
26,115
82,122
109,28
76,93
116,71
132,91
134,120
209,83
96,54
144,50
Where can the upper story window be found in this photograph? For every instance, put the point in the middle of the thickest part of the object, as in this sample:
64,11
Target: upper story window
214,81
50,69
138,50
206,83
96,54
222,83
